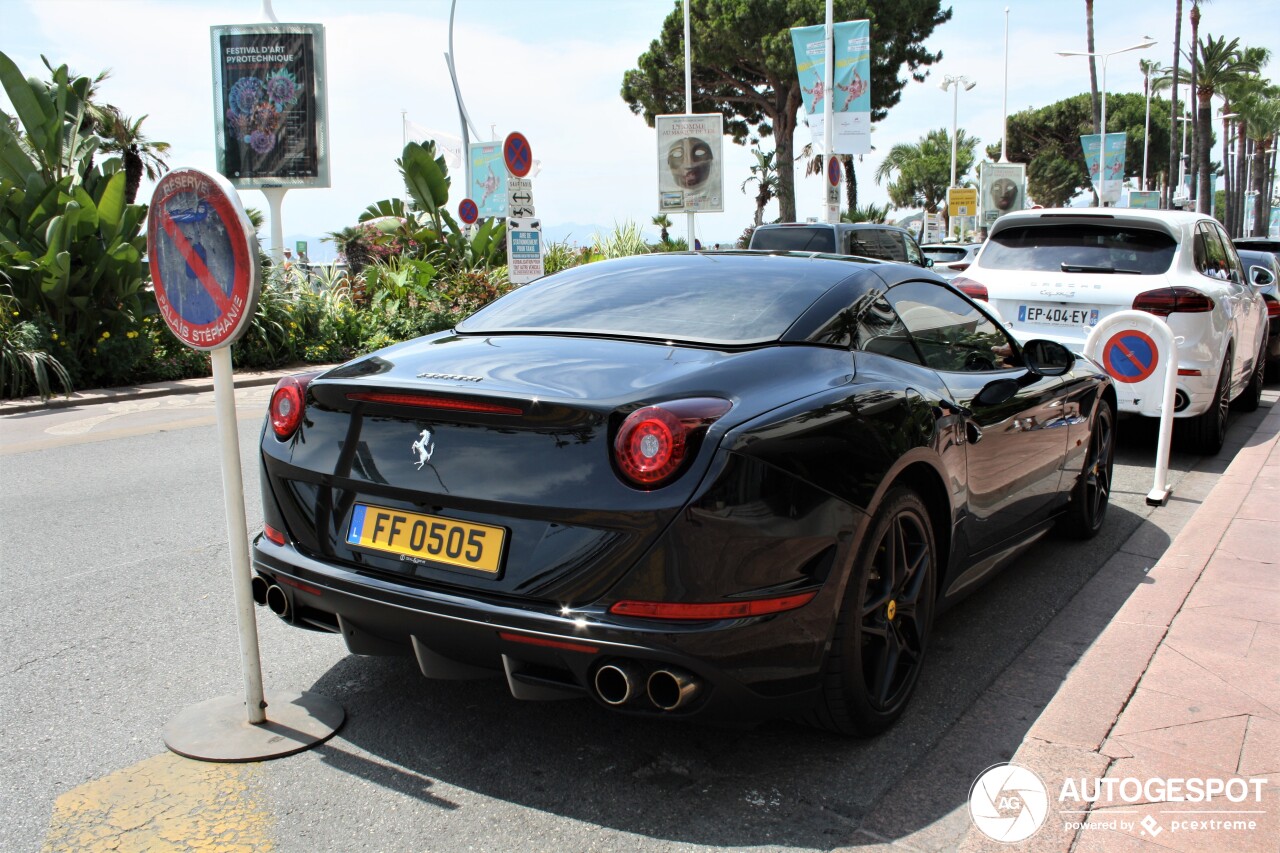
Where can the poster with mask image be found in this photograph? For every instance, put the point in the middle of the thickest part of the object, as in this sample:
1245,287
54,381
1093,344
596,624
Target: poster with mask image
690,163
1003,190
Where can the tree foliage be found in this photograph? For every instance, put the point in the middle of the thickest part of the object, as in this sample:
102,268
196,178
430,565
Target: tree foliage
744,65
921,171
1048,141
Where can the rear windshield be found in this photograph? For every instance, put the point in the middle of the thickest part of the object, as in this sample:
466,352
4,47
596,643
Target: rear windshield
944,256
1080,247
713,300
798,239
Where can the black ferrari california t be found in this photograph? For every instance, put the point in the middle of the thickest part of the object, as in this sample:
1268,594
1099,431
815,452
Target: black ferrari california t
735,483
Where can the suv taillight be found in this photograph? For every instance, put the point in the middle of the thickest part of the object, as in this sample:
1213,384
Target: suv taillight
1172,300
970,288
653,443
288,401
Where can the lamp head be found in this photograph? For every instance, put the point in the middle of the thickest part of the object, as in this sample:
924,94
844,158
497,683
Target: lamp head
969,85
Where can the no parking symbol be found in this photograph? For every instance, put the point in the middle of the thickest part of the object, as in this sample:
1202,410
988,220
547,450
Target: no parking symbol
1130,356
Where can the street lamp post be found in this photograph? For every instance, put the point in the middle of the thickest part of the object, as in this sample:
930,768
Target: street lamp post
1102,147
1182,161
954,82
1146,126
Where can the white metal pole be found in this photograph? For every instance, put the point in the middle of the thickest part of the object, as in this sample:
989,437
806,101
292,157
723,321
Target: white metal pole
953,227
224,399
691,217
275,203
268,13
1004,134
1102,149
828,110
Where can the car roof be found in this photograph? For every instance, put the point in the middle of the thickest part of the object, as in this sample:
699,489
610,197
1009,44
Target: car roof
850,226
1174,222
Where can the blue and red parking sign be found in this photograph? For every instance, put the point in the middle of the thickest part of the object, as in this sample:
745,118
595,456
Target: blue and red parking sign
203,257
1130,356
517,154
467,211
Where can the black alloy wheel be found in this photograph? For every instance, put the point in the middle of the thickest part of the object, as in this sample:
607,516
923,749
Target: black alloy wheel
1205,433
1092,493
883,629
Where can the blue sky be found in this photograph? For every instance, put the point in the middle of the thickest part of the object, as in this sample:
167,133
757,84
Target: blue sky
552,69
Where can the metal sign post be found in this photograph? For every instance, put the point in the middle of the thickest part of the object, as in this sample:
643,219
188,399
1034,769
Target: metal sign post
204,266
1140,353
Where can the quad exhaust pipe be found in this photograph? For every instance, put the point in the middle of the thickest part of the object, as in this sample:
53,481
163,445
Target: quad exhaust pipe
671,689
617,683
622,682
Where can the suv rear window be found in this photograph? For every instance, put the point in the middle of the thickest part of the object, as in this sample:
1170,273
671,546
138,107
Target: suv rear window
799,239
1080,247
944,256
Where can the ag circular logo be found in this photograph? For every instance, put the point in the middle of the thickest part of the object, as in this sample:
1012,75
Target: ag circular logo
1008,803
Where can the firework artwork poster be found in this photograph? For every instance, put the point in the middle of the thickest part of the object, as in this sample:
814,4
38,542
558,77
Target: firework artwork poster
269,105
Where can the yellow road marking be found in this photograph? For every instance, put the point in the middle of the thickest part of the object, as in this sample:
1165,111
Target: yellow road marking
166,803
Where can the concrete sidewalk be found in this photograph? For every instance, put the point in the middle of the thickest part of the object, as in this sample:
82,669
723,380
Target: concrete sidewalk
243,379
1183,685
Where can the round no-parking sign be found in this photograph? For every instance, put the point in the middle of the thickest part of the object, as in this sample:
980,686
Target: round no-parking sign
204,258
1130,356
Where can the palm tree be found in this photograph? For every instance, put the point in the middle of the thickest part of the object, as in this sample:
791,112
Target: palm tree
765,175
1220,66
1150,68
1199,133
1173,109
921,172
1093,67
664,222
141,155
1260,111
1238,98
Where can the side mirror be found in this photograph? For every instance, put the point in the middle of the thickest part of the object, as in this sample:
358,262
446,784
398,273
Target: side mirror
1261,276
928,262
1047,358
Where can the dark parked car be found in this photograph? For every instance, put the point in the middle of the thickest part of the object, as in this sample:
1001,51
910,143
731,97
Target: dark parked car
864,239
1269,260
734,484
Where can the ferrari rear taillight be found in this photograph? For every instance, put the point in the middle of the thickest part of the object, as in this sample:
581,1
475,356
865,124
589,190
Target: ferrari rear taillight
287,404
1172,300
653,443
1273,306
970,288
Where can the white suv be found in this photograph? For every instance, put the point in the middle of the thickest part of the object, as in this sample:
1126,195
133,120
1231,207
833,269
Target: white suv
1055,273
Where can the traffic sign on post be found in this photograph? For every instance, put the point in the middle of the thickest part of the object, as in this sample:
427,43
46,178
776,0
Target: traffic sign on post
1140,353
520,198
467,211
204,266
524,250
517,154
203,257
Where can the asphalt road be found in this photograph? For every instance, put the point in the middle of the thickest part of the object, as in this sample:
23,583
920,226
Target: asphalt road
116,582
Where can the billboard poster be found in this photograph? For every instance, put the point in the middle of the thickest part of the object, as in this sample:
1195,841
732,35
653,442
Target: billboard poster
690,163
1110,184
1002,189
1144,199
488,179
1273,224
270,116
851,108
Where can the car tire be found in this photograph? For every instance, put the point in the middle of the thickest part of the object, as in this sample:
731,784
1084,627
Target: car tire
1205,433
883,628
1251,396
1091,495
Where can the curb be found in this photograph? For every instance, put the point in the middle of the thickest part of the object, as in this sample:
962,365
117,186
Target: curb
245,379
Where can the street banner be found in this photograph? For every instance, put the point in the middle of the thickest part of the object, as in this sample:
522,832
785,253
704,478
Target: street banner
488,179
1110,184
852,105
270,114
690,154
1144,200
1002,188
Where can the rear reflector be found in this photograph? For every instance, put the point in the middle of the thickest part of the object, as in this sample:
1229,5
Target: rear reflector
305,587
720,610
563,645
1172,300
1185,371
274,535
431,402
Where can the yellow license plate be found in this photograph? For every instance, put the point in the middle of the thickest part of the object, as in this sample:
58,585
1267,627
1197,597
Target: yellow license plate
427,538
